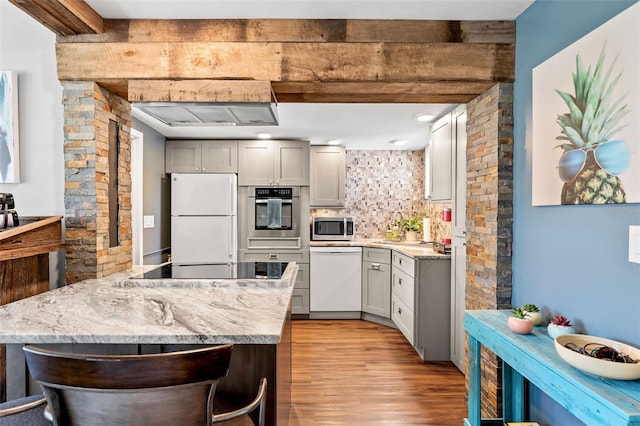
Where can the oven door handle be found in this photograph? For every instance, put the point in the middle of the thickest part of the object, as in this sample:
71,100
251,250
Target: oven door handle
265,201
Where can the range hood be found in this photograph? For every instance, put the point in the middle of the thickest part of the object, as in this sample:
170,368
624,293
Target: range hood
178,114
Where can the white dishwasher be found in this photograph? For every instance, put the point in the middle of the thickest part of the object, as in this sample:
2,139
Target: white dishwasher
335,280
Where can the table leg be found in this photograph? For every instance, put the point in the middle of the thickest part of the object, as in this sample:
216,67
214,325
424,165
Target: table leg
517,395
474,382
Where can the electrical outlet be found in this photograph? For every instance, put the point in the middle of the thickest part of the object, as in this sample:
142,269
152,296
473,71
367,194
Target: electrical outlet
634,244
148,222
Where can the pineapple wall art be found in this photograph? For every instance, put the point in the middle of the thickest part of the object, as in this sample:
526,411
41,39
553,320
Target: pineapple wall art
586,131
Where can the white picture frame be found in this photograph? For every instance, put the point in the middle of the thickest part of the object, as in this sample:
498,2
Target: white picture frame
619,39
9,128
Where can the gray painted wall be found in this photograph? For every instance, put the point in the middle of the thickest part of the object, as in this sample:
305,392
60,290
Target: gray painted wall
28,48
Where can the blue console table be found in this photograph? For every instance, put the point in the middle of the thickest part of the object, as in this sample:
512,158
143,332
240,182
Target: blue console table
595,401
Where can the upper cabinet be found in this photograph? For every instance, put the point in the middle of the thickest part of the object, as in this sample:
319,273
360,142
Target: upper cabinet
328,173
273,163
201,156
440,156
459,175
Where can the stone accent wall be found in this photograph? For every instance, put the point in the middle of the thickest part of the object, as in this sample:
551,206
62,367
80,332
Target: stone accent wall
381,182
489,218
88,108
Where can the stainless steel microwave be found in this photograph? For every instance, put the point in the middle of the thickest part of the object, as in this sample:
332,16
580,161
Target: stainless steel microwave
332,229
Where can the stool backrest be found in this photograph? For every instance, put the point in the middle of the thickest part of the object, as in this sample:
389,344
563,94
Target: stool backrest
175,388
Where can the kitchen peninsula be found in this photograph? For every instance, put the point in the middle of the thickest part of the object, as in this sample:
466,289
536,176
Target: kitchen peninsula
252,314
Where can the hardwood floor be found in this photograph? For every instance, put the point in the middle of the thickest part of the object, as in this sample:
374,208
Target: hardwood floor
354,372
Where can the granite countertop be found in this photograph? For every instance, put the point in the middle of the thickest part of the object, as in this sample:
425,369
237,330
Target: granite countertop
116,309
415,250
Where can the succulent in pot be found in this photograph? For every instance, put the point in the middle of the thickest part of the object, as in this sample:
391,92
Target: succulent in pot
412,226
519,322
533,312
558,326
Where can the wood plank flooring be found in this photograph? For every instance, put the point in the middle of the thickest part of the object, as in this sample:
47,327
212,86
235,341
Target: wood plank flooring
353,372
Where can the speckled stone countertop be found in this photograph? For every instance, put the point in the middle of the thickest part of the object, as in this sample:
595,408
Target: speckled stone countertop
416,250
117,309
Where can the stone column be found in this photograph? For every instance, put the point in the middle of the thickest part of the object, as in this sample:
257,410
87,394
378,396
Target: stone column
88,110
490,218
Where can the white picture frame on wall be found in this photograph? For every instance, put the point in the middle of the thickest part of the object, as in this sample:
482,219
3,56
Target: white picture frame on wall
557,162
9,128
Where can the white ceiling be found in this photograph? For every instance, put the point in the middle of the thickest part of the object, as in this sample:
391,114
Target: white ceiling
358,126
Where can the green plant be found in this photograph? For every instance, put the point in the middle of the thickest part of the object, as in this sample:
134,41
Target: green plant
413,223
530,307
518,313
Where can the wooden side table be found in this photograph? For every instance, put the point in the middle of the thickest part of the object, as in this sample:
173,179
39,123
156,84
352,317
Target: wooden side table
594,400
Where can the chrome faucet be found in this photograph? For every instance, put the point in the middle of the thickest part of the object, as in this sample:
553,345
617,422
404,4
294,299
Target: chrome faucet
394,222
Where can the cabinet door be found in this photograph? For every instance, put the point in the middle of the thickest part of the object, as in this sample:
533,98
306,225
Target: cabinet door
291,163
255,163
328,173
458,295
441,157
219,156
376,289
182,156
459,176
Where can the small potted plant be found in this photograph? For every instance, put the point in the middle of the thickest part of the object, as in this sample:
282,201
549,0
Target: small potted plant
533,312
558,326
412,226
519,322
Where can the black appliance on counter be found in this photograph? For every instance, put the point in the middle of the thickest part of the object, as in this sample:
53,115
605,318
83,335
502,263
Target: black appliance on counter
8,216
243,270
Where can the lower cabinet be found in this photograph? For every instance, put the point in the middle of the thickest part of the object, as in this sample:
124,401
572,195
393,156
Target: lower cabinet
376,282
300,297
420,299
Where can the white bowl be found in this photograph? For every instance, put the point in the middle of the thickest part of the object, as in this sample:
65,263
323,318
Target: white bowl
595,366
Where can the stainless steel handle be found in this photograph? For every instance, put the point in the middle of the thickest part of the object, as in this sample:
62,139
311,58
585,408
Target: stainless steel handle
375,266
263,201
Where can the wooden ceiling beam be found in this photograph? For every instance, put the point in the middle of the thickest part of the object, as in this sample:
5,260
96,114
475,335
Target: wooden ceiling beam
302,30
301,62
63,17
200,91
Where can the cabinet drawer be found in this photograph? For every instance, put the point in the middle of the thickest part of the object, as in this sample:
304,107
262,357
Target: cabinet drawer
376,255
405,263
402,317
402,287
298,256
300,301
302,279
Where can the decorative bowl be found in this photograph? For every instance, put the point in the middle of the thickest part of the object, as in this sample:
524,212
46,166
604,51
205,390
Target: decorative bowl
596,366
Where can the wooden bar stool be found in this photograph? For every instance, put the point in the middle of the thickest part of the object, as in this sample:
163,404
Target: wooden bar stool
176,388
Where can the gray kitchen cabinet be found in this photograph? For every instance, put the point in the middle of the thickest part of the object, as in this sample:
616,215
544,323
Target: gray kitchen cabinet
328,170
458,239
201,156
268,162
376,281
420,298
300,296
441,157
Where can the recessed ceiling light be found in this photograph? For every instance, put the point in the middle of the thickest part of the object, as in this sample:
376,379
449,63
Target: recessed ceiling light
333,142
264,136
425,117
399,142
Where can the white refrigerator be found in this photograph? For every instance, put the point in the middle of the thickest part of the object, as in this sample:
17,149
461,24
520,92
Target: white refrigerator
204,224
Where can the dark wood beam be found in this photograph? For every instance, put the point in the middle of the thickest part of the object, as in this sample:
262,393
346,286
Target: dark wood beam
302,30
63,17
200,91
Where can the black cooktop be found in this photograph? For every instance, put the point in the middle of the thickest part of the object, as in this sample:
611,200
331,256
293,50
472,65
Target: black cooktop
240,270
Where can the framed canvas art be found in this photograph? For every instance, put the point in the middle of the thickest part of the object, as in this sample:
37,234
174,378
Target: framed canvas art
586,118
9,141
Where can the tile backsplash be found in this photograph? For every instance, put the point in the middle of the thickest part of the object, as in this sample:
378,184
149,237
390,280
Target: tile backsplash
381,182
